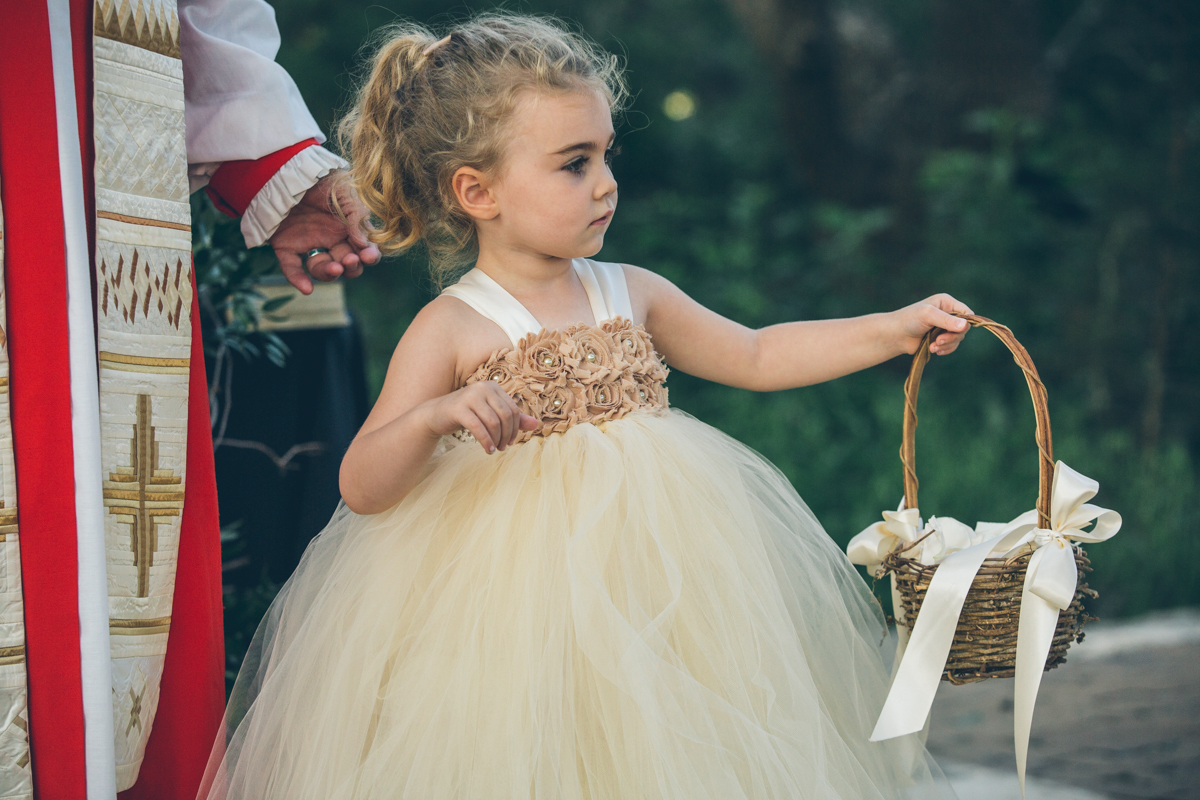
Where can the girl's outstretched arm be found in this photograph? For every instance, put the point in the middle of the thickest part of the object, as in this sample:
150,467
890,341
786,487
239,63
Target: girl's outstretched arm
701,342
418,404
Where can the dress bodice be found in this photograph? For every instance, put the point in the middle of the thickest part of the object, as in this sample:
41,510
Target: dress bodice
582,373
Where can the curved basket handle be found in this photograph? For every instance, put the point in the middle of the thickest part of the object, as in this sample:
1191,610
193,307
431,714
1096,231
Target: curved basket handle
1040,409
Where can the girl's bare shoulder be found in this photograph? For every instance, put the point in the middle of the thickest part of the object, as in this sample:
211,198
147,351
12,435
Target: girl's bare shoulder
450,326
645,287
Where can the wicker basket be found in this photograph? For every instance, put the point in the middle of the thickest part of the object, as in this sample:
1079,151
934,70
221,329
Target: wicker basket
985,641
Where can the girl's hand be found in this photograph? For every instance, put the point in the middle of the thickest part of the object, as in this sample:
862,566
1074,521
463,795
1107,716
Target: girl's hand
483,409
913,322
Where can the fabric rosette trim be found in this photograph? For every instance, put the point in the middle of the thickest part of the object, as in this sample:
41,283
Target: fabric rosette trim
583,373
959,551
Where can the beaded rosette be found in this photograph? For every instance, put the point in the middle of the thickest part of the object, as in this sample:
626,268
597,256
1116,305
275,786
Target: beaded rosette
583,373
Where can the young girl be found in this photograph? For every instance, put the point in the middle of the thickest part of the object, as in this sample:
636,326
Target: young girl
545,583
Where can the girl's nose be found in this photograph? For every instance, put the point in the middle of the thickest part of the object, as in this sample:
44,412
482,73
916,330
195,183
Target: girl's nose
606,186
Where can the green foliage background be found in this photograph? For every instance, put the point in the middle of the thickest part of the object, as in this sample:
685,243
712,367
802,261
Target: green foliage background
1074,223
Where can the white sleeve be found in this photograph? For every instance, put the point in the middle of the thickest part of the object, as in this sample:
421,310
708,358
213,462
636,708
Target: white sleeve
240,105
276,198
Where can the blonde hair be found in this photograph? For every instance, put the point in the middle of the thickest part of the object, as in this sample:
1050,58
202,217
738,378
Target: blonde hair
431,105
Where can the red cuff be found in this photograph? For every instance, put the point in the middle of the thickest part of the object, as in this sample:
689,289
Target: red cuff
235,183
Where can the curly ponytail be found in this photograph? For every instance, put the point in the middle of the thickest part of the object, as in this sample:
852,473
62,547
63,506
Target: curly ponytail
431,105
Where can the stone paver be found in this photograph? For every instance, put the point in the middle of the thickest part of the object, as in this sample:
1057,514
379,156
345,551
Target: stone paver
1121,718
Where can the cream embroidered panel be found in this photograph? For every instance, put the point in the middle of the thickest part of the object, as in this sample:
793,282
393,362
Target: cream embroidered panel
143,309
16,779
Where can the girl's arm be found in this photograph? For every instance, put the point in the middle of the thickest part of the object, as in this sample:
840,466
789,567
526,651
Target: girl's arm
701,342
417,405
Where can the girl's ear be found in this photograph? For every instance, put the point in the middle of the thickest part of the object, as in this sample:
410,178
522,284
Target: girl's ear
473,190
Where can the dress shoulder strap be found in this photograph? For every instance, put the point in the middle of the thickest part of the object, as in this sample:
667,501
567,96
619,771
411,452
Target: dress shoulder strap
606,288
607,292
493,301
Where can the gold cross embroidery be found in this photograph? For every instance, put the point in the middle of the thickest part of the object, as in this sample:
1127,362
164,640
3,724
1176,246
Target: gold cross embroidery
23,737
8,520
142,494
135,710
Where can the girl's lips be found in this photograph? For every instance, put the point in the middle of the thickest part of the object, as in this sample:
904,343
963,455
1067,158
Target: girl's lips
603,220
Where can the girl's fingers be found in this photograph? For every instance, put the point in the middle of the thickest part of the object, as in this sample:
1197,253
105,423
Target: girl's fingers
493,417
507,410
945,343
476,428
491,422
512,414
948,303
514,421
518,421
507,423
937,318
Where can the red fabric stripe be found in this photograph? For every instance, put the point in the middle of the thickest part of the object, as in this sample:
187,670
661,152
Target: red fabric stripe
235,183
35,282
193,685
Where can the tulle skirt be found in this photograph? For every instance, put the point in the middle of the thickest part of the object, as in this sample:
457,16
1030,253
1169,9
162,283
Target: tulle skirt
641,609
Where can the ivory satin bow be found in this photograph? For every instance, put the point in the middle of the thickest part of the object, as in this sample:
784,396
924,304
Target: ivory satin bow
870,547
1049,588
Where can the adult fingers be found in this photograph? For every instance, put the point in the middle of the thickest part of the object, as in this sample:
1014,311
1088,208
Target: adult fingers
325,266
528,423
293,269
341,261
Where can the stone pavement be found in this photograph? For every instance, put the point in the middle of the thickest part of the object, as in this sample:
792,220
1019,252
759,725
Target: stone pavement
973,782
1119,720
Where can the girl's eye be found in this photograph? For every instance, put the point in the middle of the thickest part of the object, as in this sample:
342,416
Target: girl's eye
576,167
610,153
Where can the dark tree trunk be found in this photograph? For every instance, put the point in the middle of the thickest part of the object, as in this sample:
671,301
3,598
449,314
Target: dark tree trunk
797,40
984,54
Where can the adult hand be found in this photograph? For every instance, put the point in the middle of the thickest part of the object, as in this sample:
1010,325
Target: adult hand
314,223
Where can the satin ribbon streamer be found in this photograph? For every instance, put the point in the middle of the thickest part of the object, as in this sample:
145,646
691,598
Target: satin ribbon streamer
1050,582
1049,588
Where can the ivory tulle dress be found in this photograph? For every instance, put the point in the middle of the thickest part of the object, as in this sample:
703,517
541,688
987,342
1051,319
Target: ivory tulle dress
625,605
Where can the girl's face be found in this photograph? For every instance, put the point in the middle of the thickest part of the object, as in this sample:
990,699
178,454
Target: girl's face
555,194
